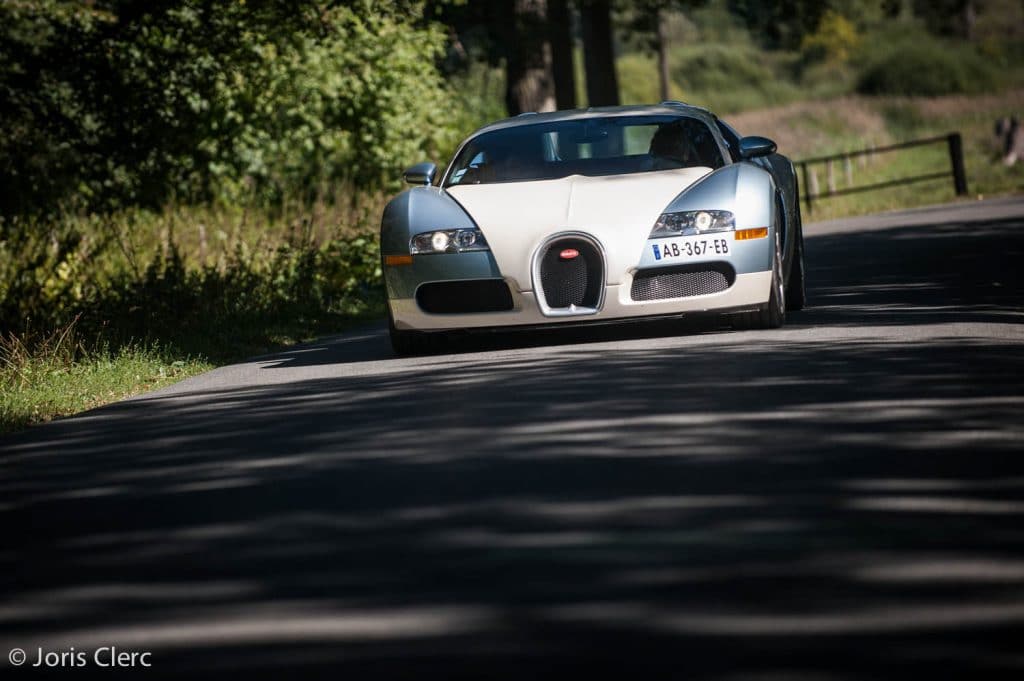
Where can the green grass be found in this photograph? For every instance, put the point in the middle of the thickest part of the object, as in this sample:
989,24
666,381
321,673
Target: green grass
41,380
909,119
96,308
819,128
55,377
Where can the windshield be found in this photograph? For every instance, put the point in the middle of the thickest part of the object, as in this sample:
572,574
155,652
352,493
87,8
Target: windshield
589,146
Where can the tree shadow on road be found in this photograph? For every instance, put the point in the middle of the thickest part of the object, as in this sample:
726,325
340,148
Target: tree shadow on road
749,506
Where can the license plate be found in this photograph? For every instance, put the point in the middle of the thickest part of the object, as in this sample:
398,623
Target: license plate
693,247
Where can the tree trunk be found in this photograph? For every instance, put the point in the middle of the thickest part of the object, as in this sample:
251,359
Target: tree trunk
970,19
529,83
599,53
659,20
560,24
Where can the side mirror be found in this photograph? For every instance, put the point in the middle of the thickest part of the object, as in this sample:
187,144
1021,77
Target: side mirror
754,146
420,174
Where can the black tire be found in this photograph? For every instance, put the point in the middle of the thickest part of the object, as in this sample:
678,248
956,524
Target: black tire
796,291
773,314
406,343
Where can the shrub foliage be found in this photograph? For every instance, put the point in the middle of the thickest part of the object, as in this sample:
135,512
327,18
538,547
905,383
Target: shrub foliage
132,102
926,67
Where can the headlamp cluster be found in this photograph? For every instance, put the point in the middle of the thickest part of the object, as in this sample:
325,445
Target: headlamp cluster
448,241
691,222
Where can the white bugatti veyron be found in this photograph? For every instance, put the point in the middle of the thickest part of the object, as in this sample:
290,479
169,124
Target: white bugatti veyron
594,215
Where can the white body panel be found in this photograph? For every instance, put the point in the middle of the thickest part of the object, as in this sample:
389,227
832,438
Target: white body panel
618,210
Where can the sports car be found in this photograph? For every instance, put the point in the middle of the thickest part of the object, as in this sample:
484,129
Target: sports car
594,215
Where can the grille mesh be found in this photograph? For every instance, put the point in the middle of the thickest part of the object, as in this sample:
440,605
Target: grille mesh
454,297
681,282
576,281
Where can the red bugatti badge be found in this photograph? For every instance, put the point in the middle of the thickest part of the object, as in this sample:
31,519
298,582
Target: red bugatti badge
568,254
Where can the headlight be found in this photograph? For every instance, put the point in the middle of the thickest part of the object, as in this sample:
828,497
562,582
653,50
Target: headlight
692,222
448,241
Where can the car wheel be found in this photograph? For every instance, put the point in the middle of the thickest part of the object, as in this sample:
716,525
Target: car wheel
796,294
406,343
773,314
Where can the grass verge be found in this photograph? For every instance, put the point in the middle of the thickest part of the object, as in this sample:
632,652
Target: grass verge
38,385
50,377
94,308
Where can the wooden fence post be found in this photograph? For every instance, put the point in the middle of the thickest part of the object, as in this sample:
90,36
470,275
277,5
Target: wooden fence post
956,159
808,197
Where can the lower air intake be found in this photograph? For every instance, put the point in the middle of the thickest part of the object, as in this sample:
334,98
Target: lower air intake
682,282
464,297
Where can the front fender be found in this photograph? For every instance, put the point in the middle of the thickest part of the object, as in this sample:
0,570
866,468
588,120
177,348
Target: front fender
424,209
416,210
742,188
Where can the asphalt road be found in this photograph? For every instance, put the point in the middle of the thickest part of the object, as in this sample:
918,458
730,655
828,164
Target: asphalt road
839,499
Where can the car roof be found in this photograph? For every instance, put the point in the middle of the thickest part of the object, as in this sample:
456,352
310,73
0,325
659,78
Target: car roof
663,109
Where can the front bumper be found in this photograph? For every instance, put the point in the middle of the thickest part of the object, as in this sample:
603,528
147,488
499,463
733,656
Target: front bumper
749,291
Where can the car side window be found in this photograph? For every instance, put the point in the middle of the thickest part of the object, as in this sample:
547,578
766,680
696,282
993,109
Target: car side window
732,140
474,165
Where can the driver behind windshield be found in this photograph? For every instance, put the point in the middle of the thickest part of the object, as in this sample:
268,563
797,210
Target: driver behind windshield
683,143
514,157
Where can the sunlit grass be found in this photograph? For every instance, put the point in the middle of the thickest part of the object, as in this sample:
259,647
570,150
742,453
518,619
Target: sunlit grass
813,129
97,308
44,379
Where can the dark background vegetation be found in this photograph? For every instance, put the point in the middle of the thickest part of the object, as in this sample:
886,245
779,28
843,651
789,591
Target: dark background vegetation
193,180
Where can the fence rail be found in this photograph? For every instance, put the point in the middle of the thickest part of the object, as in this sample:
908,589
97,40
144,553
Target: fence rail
956,171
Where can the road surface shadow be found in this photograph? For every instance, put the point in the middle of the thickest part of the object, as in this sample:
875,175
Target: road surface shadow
755,508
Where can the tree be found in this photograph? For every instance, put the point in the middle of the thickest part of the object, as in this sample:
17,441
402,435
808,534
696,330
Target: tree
645,20
780,23
136,102
530,85
662,47
561,40
599,53
948,17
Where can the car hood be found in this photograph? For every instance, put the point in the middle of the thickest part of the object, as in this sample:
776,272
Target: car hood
618,210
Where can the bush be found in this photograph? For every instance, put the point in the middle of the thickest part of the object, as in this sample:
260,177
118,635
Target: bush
721,67
638,80
129,278
926,67
731,77
135,103
835,38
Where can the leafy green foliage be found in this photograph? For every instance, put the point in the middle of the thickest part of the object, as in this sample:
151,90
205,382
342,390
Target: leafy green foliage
635,83
834,40
96,308
134,102
728,78
297,275
926,67
779,23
